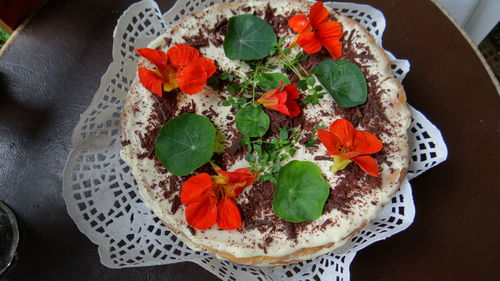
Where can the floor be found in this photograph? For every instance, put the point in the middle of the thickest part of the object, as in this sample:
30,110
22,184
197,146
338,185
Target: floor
490,48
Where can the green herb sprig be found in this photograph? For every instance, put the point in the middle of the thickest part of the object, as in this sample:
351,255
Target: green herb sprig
315,93
313,135
267,157
307,83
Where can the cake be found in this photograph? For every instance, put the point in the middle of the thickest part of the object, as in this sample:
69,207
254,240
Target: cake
278,189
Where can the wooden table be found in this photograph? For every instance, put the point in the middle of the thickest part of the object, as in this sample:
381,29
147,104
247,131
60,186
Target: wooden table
53,68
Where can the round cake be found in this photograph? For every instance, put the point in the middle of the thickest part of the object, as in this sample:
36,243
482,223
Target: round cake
309,130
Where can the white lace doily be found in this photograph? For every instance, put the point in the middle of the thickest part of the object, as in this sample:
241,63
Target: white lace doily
101,195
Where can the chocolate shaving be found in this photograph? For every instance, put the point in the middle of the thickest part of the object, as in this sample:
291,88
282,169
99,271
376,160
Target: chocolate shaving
219,31
160,109
327,222
167,40
210,113
192,230
235,144
197,41
349,39
268,240
159,166
321,157
269,12
234,151
259,199
158,118
353,182
266,243
174,185
314,59
278,120
258,13
188,108
175,204
262,247
207,168
278,22
220,27
162,185
216,41
290,230
258,223
147,142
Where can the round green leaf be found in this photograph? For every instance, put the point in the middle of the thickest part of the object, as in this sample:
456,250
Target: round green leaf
248,38
185,143
344,81
301,192
252,121
269,81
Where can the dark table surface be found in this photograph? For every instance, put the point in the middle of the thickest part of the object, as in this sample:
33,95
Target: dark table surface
53,68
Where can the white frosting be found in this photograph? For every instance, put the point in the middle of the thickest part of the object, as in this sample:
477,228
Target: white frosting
244,244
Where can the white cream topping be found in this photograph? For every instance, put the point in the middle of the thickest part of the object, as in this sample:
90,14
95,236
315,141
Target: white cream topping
244,244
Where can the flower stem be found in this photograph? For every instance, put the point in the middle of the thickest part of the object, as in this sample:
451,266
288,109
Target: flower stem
254,82
303,69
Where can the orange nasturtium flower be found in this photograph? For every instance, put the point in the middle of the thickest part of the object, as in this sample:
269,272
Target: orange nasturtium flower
317,31
347,144
282,100
180,67
208,198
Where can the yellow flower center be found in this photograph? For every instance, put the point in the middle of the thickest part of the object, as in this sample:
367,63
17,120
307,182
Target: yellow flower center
339,163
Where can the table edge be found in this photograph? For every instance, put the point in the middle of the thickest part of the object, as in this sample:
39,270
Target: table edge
471,44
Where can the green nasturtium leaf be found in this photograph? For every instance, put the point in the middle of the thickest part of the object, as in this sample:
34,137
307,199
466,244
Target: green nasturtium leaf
185,143
301,192
268,81
344,81
252,121
248,38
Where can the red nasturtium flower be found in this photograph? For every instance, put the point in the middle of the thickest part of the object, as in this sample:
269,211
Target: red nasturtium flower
282,100
317,31
347,144
208,198
181,66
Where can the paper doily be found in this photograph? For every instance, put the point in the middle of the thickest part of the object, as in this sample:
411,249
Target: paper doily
102,198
